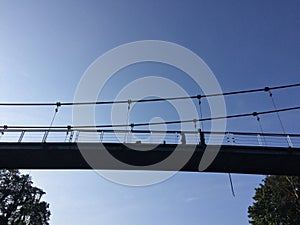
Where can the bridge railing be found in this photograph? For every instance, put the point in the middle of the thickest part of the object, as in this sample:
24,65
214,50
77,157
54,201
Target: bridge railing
149,137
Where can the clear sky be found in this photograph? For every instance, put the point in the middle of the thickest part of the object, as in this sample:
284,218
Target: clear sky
45,47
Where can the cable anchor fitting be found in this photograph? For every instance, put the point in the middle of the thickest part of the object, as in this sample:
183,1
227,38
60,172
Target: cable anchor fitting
68,129
129,103
131,127
195,123
58,104
5,127
255,114
199,98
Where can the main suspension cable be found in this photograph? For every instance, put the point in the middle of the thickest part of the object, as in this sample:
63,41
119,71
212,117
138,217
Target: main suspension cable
158,123
149,100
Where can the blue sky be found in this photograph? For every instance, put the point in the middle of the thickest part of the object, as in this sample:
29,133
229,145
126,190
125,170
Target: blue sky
45,47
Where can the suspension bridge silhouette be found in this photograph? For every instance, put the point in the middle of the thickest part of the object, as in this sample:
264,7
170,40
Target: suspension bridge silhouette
56,147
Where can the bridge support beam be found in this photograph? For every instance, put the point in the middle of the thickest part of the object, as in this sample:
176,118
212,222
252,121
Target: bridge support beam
231,159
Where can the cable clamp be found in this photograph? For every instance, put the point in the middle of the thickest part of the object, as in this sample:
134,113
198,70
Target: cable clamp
69,128
256,115
267,89
58,104
4,128
195,123
129,103
132,126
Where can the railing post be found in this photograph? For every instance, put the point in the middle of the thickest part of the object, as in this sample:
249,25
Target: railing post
101,136
202,137
289,141
45,136
259,140
21,136
77,136
71,136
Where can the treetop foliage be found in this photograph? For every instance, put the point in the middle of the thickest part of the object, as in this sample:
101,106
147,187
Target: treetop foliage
20,201
276,202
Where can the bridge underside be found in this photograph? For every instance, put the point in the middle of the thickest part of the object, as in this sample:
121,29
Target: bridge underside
230,159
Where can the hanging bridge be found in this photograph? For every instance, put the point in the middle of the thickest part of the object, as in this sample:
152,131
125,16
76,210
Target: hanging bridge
64,147
240,152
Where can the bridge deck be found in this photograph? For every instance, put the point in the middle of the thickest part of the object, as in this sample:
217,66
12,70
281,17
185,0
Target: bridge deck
231,158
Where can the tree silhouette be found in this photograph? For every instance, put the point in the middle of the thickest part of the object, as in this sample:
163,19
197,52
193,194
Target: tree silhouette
277,202
20,202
